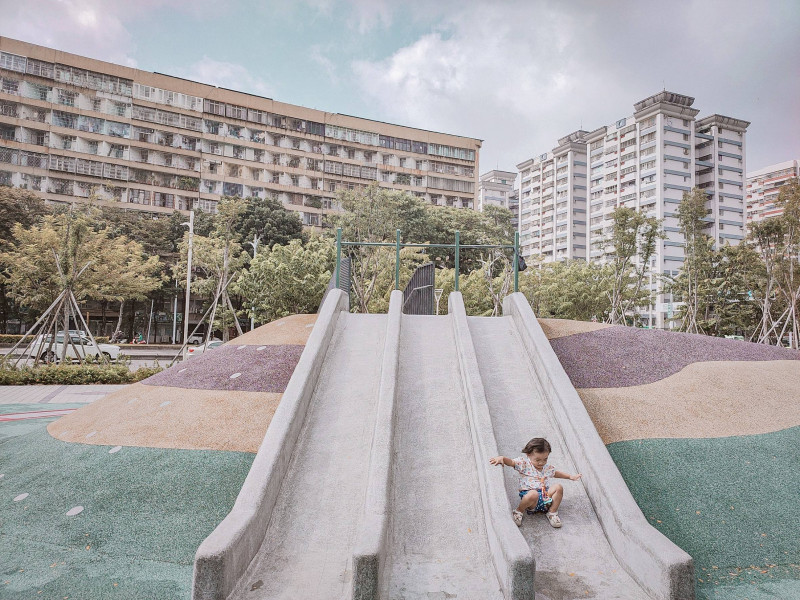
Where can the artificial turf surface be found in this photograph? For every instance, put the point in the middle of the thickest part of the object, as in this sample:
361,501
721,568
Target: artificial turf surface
732,503
9,429
145,513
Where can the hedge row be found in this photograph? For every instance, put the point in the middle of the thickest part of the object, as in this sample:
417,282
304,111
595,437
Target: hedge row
7,338
74,374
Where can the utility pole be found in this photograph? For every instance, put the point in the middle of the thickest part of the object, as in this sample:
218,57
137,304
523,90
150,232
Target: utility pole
190,224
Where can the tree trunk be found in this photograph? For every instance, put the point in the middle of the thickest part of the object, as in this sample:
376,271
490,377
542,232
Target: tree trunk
118,329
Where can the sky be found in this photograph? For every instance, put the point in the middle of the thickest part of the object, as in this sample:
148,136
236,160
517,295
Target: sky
516,74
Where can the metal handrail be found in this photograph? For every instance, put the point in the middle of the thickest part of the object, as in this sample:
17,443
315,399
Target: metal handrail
457,246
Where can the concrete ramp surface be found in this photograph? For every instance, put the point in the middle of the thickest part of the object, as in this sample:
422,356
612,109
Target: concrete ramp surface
373,479
438,537
575,561
307,547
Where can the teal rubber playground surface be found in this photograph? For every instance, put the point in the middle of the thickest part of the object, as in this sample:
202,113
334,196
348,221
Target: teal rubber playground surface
145,512
732,503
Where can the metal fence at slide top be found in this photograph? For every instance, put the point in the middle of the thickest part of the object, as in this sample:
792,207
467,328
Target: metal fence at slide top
339,275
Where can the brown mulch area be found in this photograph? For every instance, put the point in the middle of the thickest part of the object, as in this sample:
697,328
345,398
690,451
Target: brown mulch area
259,368
626,356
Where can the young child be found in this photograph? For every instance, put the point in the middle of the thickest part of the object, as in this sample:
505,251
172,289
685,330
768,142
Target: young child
535,491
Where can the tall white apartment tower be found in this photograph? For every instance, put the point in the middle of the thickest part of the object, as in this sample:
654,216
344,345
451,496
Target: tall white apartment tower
644,161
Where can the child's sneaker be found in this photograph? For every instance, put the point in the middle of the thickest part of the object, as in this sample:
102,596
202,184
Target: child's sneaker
517,516
554,520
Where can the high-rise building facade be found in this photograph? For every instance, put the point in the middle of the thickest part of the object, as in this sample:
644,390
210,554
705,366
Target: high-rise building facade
495,187
763,187
645,161
73,128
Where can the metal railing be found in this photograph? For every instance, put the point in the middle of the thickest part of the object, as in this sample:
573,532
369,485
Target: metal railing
457,246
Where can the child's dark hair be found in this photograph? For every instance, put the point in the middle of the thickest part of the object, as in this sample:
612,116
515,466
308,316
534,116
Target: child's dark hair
537,445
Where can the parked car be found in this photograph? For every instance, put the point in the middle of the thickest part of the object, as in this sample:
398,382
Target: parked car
198,350
78,347
196,338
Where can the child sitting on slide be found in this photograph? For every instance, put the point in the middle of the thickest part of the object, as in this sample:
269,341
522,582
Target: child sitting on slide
535,491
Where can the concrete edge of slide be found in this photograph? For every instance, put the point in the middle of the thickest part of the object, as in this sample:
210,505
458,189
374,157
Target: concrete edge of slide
223,557
664,570
369,553
512,557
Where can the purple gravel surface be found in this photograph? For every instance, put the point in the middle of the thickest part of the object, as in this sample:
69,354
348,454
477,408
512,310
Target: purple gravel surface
266,370
627,356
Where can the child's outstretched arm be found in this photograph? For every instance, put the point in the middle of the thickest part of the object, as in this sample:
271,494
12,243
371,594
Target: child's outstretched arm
502,460
562,475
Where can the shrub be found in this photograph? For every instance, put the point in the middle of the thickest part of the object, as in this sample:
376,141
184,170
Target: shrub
7,338
68,374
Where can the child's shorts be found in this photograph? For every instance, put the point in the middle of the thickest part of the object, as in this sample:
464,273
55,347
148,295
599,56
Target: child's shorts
541,504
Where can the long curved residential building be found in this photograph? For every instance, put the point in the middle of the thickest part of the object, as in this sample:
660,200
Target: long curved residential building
72,127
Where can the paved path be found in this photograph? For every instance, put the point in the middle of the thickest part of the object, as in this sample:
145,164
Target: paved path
576,560
54,394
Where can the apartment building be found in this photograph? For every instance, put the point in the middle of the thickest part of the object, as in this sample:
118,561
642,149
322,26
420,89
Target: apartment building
513,206
495,187
644,161
72,128
763,187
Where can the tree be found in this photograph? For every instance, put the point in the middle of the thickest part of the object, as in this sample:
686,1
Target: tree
44,259
789,260
269,221
16,207
569,289
287,279
632,244
693,282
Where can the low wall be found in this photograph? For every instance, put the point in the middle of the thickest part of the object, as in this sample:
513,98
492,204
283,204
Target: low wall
224,556
660,567
369,554
513,561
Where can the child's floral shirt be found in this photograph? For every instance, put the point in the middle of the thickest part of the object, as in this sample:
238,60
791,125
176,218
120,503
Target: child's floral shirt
531,478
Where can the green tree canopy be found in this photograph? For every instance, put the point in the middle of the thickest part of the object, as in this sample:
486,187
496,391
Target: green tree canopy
286,279
65,251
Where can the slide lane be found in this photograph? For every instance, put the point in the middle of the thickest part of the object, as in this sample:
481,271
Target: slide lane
307,550
575,561
438,545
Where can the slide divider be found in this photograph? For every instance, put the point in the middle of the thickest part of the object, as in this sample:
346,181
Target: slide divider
663,569
223,557
511,555
369,554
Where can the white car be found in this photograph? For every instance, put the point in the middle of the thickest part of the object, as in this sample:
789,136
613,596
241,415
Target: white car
78,347
198,350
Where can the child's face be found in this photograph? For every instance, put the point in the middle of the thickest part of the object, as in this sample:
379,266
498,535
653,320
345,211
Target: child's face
539,459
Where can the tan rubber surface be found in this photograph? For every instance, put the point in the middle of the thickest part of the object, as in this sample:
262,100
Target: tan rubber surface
294,329
556,328
703,400
192,419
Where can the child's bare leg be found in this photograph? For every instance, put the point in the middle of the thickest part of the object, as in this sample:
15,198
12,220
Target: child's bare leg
556,492
528,500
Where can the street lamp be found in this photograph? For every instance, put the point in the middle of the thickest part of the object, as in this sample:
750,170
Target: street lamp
190,225
254,244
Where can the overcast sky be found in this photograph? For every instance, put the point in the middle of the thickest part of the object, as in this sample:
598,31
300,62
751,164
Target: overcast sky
518,75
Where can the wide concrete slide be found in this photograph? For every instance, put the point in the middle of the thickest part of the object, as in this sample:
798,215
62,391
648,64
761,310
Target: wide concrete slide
437,543
606,548
292,528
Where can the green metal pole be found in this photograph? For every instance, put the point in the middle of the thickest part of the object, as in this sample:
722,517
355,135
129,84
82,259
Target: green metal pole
397,263
516,261
458,240
338,254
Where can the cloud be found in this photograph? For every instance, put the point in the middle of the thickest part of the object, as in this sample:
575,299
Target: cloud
522,77
87,27
224,74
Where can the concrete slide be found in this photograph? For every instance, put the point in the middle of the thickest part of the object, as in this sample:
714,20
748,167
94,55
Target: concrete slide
373,479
